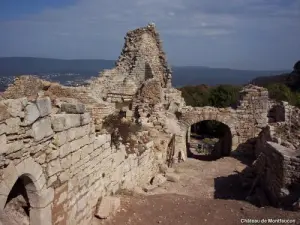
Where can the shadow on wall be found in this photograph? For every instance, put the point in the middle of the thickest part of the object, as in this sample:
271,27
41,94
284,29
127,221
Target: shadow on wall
245,152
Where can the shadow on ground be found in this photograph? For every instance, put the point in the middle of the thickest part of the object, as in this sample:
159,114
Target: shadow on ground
229,187
245,152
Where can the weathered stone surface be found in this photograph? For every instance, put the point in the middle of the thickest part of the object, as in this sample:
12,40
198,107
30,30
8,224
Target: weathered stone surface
31,114
41,129
13,125
4,114
2,128
78,108
15,107
53,167
107,206
85,118
65,121
3,144
158,180
44,106
173,177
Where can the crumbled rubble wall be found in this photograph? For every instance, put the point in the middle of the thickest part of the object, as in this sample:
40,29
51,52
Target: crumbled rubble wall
142,58
75,165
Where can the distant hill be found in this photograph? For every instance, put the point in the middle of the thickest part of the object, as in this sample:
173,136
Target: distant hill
193,75
182,76
13,66
291,80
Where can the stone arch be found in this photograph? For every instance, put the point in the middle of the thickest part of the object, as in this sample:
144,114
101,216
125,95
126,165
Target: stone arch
226,116
40,197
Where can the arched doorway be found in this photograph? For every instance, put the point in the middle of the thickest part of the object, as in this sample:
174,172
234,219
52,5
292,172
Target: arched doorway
209,139
23,192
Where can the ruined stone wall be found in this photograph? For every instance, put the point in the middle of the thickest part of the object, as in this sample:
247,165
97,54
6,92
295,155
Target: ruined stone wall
141,59
278,170
252,112
245,121
69,166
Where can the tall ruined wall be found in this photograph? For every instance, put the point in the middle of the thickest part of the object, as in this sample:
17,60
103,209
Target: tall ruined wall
252,111
142,58
67,167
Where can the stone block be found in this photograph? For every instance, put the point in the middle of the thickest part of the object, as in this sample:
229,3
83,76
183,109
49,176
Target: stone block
158,180
58,122
10,176
76,156
64,176
79,143
53,167
72,120
15,107
52,155
77,108
14,146
3,144
31,114
44,106
13,125
41,215
77,132
66,162
99,141
107,206
64,150
2,128
41,129
60,138
172,177
85,118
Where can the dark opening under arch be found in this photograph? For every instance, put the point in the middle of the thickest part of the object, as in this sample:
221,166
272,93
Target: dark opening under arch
208,140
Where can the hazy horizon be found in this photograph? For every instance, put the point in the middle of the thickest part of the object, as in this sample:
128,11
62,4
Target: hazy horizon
204,66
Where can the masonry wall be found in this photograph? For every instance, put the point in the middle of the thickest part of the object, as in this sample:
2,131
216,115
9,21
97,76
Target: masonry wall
252,112
278,168
77,166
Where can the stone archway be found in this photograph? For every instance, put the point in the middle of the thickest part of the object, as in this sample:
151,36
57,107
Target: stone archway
40,197
226,116
204,142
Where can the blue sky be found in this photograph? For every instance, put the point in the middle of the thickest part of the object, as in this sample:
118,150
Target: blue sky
243,34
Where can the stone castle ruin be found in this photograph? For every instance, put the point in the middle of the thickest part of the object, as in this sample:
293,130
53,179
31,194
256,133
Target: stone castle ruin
64,148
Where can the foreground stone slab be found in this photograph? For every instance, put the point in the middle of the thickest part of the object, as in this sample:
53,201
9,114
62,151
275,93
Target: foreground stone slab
158,180
107,206
172,177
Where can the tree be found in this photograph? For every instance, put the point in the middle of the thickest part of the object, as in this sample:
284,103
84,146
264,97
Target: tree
297,67
224,96
280,92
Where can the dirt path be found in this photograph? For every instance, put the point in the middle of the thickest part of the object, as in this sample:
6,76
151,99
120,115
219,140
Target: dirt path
209,192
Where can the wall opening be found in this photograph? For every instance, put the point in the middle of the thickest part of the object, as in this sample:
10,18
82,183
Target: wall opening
17,207
209,140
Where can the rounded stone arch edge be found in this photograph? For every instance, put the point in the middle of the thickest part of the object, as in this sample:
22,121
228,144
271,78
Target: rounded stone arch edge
40,195
227,120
